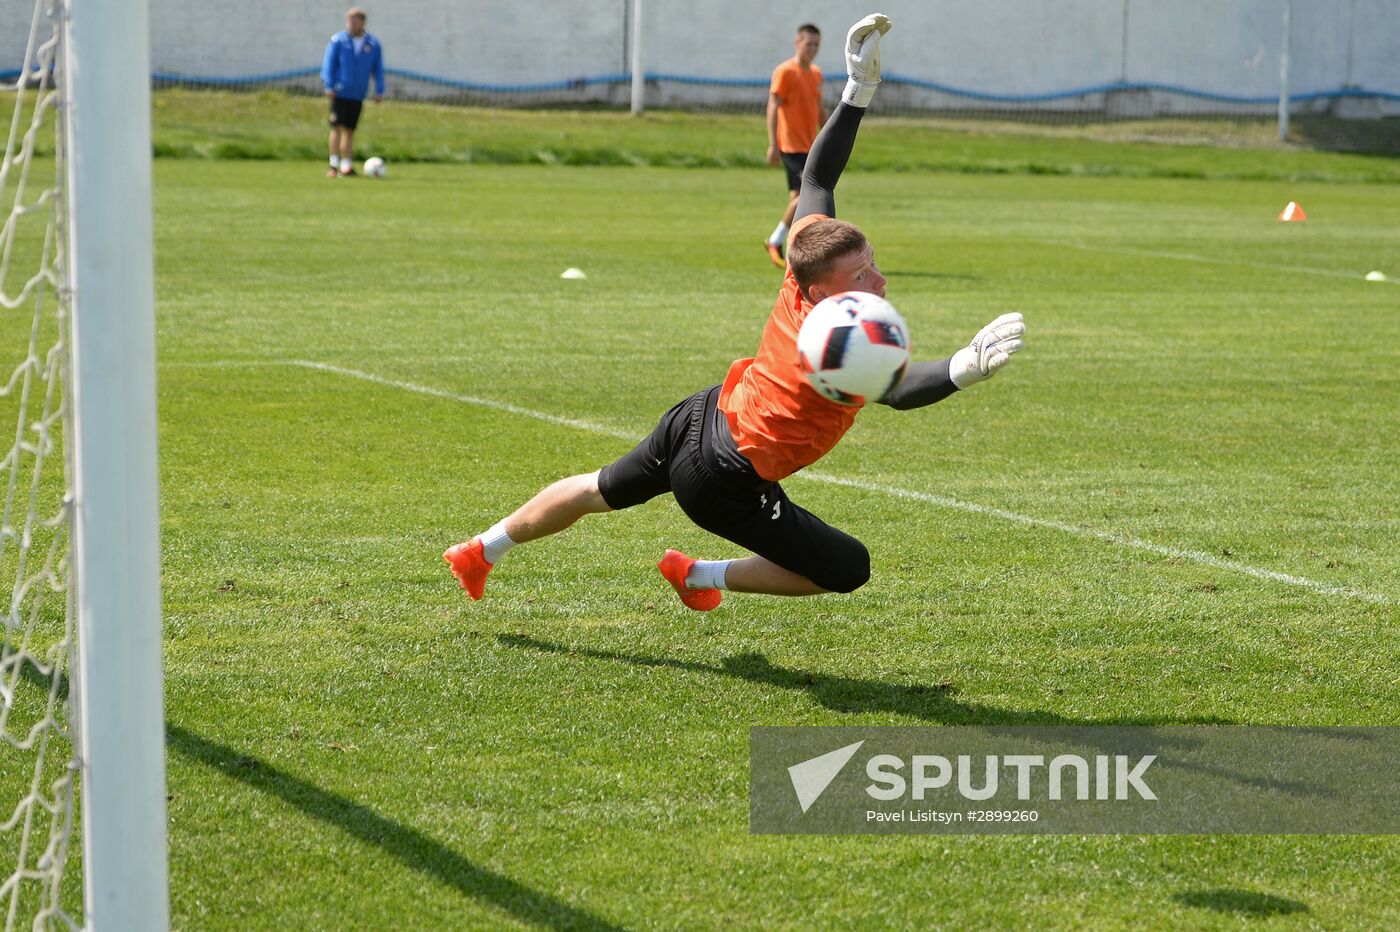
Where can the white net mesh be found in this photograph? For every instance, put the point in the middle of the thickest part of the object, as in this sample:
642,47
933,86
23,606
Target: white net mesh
37,749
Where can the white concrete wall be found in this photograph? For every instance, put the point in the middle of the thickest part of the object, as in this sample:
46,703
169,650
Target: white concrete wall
488,41
1004,47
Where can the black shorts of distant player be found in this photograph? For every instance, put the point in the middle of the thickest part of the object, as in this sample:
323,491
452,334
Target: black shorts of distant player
793,163
345,112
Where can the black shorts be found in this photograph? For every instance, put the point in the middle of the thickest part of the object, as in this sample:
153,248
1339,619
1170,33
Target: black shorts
683,456
794,162
345,112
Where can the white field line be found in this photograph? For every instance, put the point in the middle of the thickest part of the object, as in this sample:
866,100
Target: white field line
1121,540
469,399
222,363
1213,260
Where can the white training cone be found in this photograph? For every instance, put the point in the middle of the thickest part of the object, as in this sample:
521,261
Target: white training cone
573,273
1376,277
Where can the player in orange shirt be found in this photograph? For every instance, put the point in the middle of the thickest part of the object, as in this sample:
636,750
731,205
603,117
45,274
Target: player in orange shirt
795,113
723,451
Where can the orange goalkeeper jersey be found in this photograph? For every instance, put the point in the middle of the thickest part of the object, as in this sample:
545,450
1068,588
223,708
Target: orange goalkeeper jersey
779,421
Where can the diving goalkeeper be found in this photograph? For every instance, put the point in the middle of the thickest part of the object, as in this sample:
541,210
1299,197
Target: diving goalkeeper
724,451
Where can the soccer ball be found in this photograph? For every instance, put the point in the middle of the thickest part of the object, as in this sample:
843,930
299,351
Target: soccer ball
374,168
853,347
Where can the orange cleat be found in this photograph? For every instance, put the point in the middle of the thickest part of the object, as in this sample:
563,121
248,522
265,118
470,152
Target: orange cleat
775,252
469,565
675,566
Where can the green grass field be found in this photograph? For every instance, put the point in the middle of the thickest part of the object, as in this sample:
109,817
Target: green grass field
273,125
354,374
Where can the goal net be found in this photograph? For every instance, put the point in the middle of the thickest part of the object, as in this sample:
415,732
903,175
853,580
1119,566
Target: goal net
38,763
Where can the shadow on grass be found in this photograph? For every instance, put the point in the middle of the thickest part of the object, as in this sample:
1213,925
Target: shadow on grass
1241,902
410,846
934,704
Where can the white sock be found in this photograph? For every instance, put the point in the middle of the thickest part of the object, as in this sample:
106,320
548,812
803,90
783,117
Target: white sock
495,542
779,235
707,574
335,161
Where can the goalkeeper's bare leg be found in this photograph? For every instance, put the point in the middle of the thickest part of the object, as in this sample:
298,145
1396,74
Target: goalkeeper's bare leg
560,504
551,510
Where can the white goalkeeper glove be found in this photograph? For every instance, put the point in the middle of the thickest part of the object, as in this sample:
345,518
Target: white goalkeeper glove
863,59
988,351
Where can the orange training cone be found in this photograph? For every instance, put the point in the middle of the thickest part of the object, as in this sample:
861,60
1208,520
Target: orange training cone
1292,212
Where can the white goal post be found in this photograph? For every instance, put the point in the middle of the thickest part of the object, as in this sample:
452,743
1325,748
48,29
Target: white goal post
81,697
116,548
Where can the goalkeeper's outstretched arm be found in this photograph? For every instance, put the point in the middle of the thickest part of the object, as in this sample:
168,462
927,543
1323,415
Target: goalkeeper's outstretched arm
829,154
827,160
927,382
923,384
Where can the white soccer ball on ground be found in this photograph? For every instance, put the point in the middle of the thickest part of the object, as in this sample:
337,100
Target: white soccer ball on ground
374,167
853,347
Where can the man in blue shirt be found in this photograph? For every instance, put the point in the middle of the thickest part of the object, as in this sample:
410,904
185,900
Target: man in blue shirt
352,58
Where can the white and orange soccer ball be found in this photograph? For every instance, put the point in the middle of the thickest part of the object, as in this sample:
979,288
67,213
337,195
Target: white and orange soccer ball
853,347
